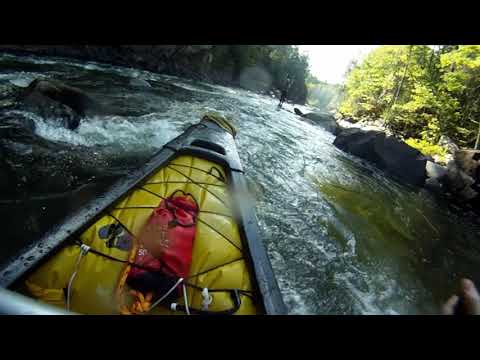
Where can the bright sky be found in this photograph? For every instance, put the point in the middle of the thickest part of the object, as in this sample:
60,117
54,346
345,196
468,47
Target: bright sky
330,62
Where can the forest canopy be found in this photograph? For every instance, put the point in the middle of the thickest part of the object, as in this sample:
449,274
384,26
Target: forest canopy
418,91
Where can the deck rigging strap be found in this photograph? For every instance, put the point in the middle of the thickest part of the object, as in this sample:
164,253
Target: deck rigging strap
83,251
235,293
154,207
200,186
181,182
198,219
209,172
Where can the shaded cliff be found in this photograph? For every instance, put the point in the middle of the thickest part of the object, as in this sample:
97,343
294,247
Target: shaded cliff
257,68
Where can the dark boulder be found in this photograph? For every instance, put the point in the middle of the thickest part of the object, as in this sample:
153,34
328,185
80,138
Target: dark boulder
298,112
32,164
52,110
319,117
59,102
387,153
182,60
325,120
70,96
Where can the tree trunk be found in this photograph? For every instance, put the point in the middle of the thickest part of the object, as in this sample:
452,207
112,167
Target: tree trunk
403,76
478,131
387,120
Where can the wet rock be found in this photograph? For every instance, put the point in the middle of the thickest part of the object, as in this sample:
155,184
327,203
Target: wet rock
462,177
468,161
325,120
51,110
387,153
70,96
435,171
32,164
433,184
468,193
58,102
457,179
349,120
363,125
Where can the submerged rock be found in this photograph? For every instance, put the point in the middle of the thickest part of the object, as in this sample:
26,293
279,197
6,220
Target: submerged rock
58,102
32,164
387,153
70,96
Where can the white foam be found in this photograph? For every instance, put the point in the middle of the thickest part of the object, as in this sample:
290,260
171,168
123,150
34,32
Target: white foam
368,302
144,133
294,301
21,78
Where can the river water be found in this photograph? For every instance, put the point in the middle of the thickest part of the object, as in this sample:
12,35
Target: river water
343,238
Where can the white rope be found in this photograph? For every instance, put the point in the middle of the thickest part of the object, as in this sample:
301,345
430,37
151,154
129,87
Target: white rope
166,294
185,298
207,299
83,250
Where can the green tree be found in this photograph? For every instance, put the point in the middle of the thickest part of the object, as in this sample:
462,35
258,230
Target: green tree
461,92
420,91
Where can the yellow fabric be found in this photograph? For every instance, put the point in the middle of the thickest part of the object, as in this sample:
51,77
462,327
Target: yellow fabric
98,285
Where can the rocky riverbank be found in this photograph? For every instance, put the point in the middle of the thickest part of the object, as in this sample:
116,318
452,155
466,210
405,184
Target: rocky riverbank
456,177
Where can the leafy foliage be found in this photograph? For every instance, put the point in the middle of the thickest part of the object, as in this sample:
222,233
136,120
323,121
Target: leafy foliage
419,91
427,148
